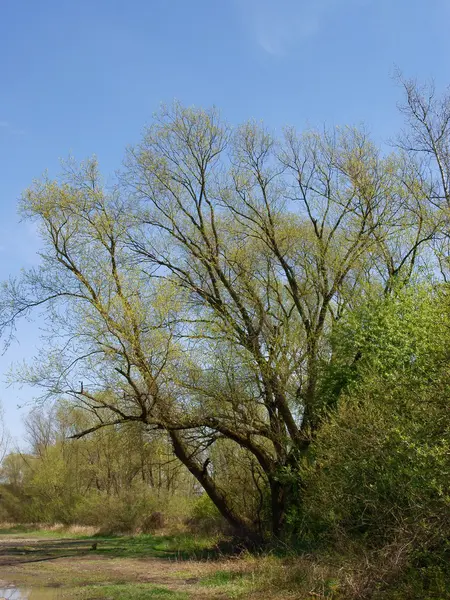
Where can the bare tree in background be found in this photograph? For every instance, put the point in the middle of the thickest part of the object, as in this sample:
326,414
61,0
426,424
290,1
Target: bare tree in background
40,428
427,139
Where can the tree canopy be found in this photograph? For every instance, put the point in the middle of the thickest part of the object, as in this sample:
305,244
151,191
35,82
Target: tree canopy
201,293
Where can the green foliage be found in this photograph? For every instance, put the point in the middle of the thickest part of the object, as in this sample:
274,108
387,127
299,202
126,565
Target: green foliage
275,308
52,489
403,333
381,464
115,479
379,470
204,289
204,516
118,513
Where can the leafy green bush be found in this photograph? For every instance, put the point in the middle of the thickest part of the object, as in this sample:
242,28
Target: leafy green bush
204,516
378,473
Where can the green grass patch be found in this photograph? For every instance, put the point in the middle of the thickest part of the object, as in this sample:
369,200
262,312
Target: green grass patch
131,591
234,584
220,578
180,547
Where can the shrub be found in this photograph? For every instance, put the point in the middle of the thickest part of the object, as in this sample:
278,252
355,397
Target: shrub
156,520
205,517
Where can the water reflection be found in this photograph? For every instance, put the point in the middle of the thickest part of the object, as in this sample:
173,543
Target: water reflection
13,593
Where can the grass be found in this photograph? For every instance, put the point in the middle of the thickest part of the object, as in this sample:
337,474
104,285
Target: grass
53,531
176,547
234,583
220,578
177,567
129,591
181,546
188,567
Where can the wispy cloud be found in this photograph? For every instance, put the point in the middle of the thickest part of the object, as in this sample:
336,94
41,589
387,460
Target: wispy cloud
279,25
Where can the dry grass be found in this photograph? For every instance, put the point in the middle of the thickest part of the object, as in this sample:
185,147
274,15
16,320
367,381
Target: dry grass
57,528
83,530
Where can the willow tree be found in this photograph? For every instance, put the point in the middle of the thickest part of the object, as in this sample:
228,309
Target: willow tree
198,296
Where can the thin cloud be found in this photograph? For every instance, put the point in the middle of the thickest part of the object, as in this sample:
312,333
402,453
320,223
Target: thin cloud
279,25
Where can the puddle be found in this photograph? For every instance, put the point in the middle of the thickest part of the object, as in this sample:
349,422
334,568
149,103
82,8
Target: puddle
13,593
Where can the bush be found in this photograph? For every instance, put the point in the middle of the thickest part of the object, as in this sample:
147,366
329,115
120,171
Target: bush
381,465
118,513
376,482
204,517
155,521
14,506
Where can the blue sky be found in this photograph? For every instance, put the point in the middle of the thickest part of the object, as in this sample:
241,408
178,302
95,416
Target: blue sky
85,77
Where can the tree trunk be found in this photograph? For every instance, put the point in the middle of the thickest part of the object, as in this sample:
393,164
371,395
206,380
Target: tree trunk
278,506
240,526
